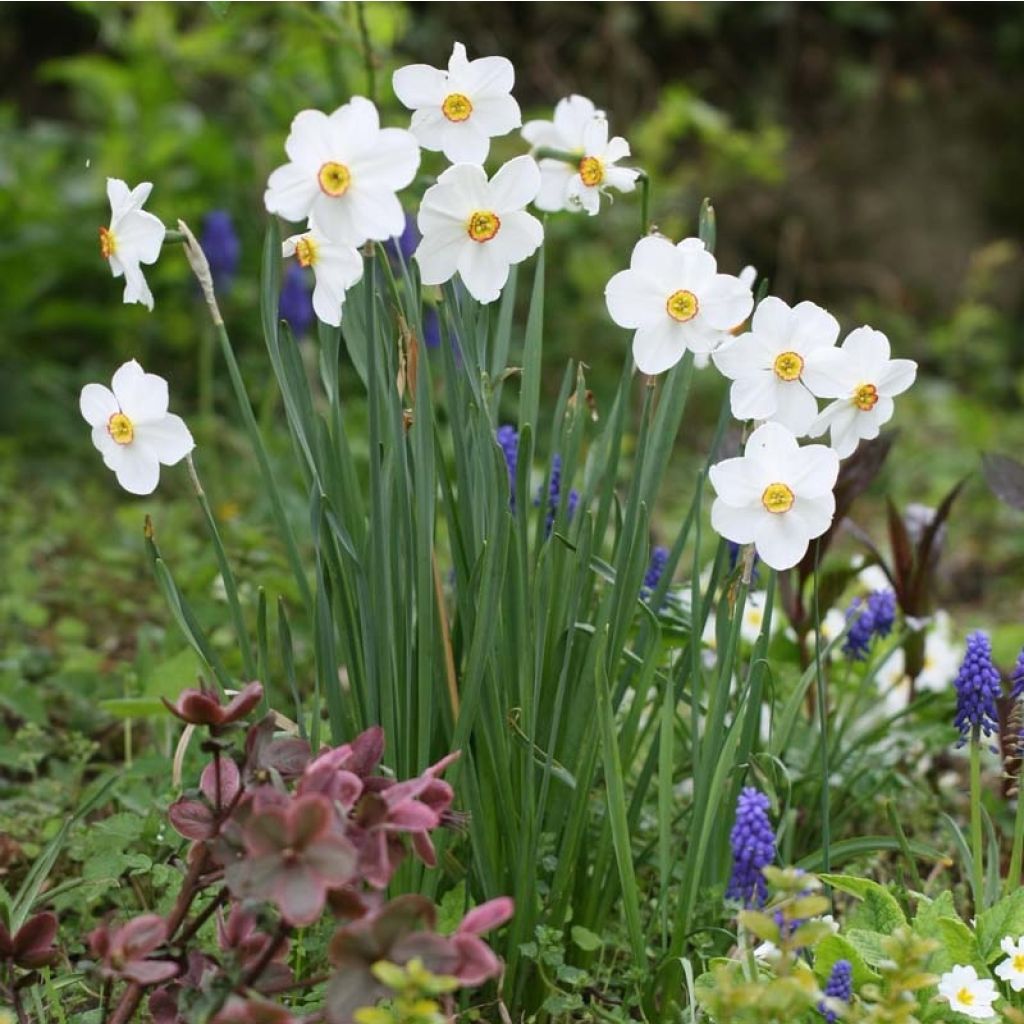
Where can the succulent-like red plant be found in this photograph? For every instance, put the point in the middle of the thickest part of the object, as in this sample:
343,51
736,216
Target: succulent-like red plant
31,945
124,952
203,707
252,1011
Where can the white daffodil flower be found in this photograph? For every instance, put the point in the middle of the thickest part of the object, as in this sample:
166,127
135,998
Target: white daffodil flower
132,429
863,380
335,269
776,496
582,130
675,299
479,228
766,364
343,173
459,111
134,237
967,993
1011,970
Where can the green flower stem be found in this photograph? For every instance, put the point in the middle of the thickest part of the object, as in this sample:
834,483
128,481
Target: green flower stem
826,823
1013,874
645,203
977,864
547,153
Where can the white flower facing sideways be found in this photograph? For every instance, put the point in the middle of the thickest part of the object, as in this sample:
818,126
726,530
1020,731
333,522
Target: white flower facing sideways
134,237
766,364
863,380
459,111
675,299
967,993
343,173
579,129
776,496
478,228
1011,970
335,269
132,429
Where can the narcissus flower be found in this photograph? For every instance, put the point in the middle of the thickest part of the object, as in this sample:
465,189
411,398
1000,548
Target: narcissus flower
134,237
344,172
675,299
967,993
479,228
582,130
336,268
132,429
777,495
460,110
863,380
766,364
1011,970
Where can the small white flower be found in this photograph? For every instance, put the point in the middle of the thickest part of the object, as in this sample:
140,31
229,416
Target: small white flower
335,269
1011,970
132,429
479,228
134,237
675,299
460,110
344,171
942,655
967,993
766,365
863,380
582,130
777,495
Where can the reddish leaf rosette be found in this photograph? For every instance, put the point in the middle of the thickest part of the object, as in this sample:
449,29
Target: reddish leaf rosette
123,952
203,707
31,945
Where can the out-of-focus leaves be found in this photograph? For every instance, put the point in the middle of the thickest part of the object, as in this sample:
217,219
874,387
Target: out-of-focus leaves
1005,478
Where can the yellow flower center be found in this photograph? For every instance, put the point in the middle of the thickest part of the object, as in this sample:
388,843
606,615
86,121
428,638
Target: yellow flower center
865,397
483,225
965,996
591,171
306,251
120,428
456,107
682,305
1018,962
334,179
777,498
788,365
108,244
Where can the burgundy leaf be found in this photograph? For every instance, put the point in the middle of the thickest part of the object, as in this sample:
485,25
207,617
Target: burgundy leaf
192,819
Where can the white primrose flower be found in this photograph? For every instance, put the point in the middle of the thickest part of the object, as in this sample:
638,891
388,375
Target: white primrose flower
766,365
335,269
344,171
582,130
478,228
1011,970
460,110
134,237
132,429
675,299
863,380
967,993
776,496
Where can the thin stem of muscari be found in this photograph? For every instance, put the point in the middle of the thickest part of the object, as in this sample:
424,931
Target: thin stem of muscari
977,863
1017,854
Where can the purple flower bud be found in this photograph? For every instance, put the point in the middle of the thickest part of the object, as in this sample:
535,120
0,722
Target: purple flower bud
753,847
555,496
868,618
838,986
508,440
978,687
655,570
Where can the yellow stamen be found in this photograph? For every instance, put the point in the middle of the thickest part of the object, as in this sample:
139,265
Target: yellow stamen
1018,962
334,179
965,996
865,397
108,244
457,107
777,498
483,225
306,251
682,305
591,171
788,365
120,428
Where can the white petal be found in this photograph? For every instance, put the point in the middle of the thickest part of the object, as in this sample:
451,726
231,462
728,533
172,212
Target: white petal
142,396
868,347
135,287
812,327
654,256
515,185
772,317
519,237
419,85
781,540
737,357
616,150
623,179
489,76
483,271
774,449
844,429
120,196
439,251
462,142
166,439
352,127
595,136
308,142
816,513
496,115
140,236
726,303
542,133
753,397
584,196
390,164
813,472
734,482
468,182
327,302
691,266
897,376
795,408
426,126
658,347
829,373
97,405
572,115
138,472
555,176
635,300
736,524
290,192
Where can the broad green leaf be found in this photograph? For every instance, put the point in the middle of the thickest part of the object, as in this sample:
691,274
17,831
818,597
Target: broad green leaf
1005,918
878,911
837,947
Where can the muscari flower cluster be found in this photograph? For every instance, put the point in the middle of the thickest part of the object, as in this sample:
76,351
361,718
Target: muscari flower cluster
869,617
978,687
508,441
753,848
839,987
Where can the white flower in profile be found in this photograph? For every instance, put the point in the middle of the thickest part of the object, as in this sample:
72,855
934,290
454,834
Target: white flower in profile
478,228
776,496
579,129
1011,970
863,380
967,993
460,110
134,237
675,299
344,171
335,269
766,364
132,429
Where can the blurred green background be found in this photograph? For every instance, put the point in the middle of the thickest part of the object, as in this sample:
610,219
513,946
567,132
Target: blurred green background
868,156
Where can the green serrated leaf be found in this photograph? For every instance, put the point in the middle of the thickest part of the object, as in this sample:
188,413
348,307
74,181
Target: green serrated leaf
878,911
838,947
1004,918
586,939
